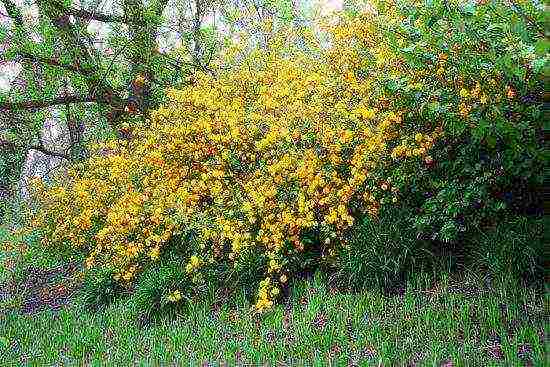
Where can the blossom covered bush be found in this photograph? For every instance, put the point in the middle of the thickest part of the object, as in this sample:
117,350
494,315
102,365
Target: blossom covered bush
270,163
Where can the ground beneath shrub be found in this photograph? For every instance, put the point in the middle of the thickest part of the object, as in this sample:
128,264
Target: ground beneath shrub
42,289
454,322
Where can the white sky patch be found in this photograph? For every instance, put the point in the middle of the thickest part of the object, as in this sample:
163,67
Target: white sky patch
328,7
36,37
5,20
8,72
30,15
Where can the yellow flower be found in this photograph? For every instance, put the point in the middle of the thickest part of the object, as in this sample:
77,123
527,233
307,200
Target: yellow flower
366,113
154,253
174,296
195,261
464,109
140,80
250,158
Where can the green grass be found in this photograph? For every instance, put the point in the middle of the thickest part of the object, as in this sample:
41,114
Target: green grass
5,236
467,320
459,320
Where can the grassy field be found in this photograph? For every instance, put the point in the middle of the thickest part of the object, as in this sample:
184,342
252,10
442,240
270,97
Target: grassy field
457,321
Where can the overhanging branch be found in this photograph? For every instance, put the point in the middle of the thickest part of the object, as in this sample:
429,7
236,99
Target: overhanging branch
35,104
54,62
10,146
43,150
94,15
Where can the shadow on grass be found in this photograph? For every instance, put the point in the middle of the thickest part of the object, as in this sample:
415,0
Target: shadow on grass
41,289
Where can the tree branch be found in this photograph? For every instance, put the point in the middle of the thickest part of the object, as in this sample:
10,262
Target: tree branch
7,145
54,62
13,12
93,15
42,149
181,63
35,104
102,91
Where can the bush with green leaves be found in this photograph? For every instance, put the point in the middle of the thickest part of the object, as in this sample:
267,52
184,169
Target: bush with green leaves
478,70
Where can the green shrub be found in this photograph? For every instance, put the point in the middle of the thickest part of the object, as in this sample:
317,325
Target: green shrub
476,70
484,83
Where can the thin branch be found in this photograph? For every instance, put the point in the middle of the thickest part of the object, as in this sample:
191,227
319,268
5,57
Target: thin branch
111,63
54,62
7,145
35,104
13,12
94,15
180,63
42,149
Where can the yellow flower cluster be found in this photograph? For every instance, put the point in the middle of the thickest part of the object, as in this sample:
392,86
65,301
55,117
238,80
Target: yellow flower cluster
419,145
174,296
266,294
470,97
274,146
193,264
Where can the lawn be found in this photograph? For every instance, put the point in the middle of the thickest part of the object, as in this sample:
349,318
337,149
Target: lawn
459,320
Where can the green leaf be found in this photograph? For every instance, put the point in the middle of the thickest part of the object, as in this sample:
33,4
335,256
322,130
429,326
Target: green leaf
491,141
469,9
539,65
456,127
542,47
519,72
4,342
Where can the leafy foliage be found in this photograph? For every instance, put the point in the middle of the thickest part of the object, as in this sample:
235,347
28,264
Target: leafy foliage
473,69
406,117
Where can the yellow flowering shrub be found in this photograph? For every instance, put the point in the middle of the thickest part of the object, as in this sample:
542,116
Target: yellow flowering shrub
280,144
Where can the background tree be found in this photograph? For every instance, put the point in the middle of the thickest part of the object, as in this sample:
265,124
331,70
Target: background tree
91,67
